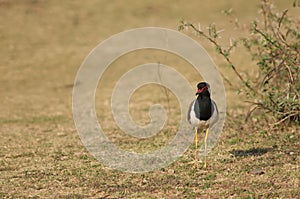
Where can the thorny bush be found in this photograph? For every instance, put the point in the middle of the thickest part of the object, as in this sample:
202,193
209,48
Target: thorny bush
274,44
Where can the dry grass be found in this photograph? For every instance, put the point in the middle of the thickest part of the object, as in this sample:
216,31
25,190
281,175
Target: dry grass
43,44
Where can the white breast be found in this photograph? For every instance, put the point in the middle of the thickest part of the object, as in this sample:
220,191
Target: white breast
195,122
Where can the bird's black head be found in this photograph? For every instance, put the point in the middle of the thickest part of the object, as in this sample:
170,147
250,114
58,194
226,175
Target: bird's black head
203,89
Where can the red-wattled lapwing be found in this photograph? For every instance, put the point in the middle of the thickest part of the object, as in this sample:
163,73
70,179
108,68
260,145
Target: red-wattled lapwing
202,114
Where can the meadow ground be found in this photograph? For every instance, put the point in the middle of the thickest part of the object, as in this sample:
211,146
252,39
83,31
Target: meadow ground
43,44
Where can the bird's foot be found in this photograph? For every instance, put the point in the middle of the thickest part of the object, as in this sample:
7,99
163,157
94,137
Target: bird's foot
195,164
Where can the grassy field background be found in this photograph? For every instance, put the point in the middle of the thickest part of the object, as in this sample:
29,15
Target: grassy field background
43,44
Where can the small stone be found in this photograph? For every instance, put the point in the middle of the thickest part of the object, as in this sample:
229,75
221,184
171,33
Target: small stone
257,172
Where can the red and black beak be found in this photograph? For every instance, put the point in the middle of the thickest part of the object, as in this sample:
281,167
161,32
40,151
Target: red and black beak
200,90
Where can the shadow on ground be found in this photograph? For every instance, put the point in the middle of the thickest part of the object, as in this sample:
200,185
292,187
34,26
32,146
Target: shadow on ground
250,152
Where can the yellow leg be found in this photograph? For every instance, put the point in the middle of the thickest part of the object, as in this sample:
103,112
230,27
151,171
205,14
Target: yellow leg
196,138
205,148
196,146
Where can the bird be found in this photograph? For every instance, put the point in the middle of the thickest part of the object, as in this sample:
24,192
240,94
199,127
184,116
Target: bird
202,114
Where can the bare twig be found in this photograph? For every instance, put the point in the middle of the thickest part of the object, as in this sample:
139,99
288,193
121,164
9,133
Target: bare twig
282,17
165,90
223,54
291,114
